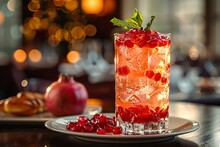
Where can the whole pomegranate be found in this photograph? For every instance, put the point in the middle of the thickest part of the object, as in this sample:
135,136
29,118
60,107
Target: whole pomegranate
66,96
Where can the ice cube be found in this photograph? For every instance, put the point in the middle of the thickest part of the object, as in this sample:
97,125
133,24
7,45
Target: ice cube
133,52
139,62
133,99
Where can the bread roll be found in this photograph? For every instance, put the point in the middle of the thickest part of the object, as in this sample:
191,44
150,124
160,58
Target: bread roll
25,103
2,105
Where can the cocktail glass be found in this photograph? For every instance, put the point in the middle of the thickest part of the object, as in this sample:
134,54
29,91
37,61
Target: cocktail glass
142,71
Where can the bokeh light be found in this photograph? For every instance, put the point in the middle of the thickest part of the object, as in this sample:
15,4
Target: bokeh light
92,6
2,18
62,20
59,3
35,55
78,33
71,5
90,30
73,56
11,5
24,83
33,6
20,56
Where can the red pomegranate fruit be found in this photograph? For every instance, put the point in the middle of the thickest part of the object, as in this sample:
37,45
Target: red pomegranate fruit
66,96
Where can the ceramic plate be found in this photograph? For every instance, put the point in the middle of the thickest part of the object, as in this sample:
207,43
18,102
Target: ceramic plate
177,126
40,118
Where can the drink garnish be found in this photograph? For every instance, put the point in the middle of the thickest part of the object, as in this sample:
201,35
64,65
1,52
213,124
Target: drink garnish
134,21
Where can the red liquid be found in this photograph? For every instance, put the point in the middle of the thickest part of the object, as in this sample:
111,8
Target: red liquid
142,66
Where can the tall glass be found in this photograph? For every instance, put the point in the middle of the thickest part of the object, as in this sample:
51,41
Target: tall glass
142,70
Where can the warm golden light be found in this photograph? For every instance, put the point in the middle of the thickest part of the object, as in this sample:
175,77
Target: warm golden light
2,18
59,3
34,23
53,41
20,55
71,5
92,6
73,56
94,102
59,34
44,23
53,28
78,33
90,30
66,35
35,55
33,6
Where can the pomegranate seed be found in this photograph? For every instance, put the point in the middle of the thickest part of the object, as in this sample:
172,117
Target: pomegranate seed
118,43
100,131
76,128
163,80
157,76
123,70
117,130
129,44
149,73
126,115
101,120
89,128
153,43
108,128
83,118
70,125
141,43
99,123
110,122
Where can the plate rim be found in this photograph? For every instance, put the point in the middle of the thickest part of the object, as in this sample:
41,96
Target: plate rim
83,135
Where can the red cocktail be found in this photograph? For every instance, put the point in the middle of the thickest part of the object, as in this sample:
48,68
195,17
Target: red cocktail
142,67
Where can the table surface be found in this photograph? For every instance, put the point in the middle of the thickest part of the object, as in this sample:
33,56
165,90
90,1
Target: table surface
37,135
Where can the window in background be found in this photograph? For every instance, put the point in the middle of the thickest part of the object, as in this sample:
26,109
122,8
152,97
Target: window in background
10,35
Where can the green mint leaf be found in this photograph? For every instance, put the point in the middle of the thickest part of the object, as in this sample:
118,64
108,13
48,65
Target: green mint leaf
136,20
121,23
150,23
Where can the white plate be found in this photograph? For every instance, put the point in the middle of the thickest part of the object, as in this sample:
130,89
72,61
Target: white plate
177,126
40,118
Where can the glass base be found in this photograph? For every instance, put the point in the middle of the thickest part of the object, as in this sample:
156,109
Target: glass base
143,128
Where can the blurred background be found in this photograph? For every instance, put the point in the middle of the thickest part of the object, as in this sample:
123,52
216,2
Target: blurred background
39,39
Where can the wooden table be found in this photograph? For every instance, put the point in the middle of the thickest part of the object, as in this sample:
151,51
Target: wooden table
208,135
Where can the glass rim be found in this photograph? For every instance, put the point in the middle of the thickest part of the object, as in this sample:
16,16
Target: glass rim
163,33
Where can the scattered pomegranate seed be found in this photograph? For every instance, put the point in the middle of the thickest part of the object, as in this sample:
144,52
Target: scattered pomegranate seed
149,73
163,80
99,123
108,128
88,128
157,76
123,70
100,131
117,130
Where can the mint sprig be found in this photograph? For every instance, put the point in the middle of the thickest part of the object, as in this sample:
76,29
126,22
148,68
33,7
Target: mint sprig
150,23
134,21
